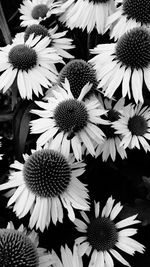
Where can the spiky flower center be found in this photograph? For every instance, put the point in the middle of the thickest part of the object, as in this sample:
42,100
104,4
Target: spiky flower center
39,11
133,49
137,125
47,173
138,10
79,73
37,29
102,234
16,249
22,57
71,116
99,1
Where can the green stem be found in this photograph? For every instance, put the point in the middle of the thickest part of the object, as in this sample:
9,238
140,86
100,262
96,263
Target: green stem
4,27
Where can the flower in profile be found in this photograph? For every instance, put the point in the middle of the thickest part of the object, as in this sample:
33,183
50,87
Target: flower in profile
67,122
31,63
79,73
68,258
103,236
126,62
58,40
44,184
88,14
20,248
134,126
111,143
34,11
130,14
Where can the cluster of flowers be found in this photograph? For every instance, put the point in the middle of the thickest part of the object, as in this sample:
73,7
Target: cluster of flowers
77,115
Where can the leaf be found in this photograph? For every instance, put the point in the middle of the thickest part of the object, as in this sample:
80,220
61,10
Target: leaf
4,27
21,127
24,128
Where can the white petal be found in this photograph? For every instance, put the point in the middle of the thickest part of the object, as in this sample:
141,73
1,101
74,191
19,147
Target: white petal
76,146
93,258
128,221
108,259
136,84
86,140
97,209
82,248
119,257
115,211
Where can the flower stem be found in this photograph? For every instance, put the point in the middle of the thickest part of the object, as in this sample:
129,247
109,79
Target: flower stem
4,27
14,90
88,46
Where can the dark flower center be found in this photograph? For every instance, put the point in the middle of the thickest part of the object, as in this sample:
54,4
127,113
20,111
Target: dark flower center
47,173
22,57
133,49
137,125
99,1
138,10
79,73
16,249
39,11
37,29
112,115
102,234
71,116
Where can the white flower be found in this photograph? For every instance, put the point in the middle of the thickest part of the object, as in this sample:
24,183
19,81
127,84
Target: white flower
86,14
20,248
125,63
43,185
34,11
130,14
102,237
31,63
134,126
68,122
